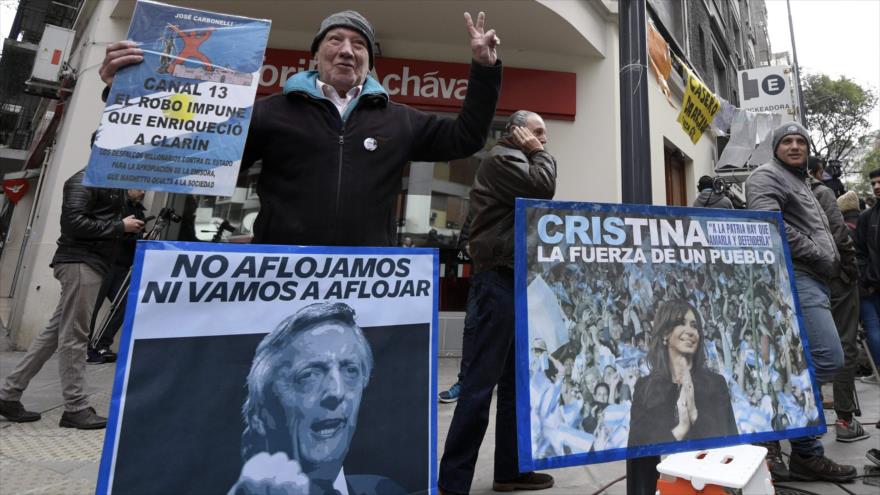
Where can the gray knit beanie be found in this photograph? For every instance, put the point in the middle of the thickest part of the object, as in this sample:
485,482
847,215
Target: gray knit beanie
787,129
347,19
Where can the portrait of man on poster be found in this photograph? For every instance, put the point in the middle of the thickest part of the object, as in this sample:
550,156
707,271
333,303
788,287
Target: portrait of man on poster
304,393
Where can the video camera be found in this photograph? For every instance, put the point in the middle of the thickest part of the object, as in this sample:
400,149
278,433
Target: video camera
168,215
718,185
834,169
730,188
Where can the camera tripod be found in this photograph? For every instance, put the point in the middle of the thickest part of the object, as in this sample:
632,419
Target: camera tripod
117,304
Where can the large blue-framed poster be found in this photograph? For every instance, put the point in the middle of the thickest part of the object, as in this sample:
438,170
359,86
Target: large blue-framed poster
248,369
645,330
178,120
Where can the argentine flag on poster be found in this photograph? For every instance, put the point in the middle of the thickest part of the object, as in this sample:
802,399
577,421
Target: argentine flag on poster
178,121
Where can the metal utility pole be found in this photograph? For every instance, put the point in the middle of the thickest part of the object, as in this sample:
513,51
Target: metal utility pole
797,69
635,156
634,129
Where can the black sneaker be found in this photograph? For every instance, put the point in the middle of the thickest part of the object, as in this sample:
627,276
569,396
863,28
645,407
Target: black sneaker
100,356
14,411
775,463
92,357
87,419
819,468
108,355
525,481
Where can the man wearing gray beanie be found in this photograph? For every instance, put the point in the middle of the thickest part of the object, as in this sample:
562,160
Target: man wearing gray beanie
334,145
782,185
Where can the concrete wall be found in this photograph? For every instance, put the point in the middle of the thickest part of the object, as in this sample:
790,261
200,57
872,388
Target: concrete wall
700,157
37,291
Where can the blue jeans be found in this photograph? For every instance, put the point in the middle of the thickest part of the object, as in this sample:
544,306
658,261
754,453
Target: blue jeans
824,342
492,363
870,315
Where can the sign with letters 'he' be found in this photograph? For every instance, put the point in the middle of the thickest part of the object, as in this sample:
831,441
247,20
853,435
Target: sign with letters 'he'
178,120
767,89
647,330
247,369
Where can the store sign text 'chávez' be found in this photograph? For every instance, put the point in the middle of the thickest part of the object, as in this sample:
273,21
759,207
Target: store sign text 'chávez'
441,86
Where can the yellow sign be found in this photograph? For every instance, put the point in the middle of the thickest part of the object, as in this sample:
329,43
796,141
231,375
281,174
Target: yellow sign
698,108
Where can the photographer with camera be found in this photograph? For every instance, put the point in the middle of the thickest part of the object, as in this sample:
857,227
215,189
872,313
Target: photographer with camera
101,337
831,177
709,197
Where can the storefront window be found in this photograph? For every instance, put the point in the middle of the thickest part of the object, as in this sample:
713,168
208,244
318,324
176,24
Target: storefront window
432,209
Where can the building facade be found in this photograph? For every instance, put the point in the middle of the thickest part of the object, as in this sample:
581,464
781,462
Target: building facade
550,48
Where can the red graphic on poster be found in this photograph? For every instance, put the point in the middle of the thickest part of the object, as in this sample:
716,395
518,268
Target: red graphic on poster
191,43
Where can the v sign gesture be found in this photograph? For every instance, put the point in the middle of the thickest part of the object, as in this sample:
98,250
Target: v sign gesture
483,43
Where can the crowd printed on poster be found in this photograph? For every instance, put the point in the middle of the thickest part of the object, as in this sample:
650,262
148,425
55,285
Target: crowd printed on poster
178,120
285,367
649,330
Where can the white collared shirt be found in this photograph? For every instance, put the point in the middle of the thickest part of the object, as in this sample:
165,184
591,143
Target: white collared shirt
331,93
340,485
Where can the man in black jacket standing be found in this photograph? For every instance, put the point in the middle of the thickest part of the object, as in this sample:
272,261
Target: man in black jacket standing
843,286
91,228
518,166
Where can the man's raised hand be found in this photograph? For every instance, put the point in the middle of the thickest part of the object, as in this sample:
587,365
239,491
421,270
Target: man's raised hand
483,43
119,54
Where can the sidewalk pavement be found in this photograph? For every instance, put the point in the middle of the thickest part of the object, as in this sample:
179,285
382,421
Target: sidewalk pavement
41,458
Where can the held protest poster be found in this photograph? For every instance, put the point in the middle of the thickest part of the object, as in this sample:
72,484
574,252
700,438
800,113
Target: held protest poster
178,120
250,369
647,330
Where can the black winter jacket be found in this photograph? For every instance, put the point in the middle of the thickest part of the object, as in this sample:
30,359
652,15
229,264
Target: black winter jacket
868,248
504,175
653,414
129,240
335,181
91,225
847,270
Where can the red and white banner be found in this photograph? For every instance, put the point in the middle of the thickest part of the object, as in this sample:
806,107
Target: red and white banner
442,86
15,189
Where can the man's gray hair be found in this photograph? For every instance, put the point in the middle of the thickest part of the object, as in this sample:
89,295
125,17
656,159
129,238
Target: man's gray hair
519,118
262,407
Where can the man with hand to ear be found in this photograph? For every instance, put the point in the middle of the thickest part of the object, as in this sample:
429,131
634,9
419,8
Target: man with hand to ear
518,166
